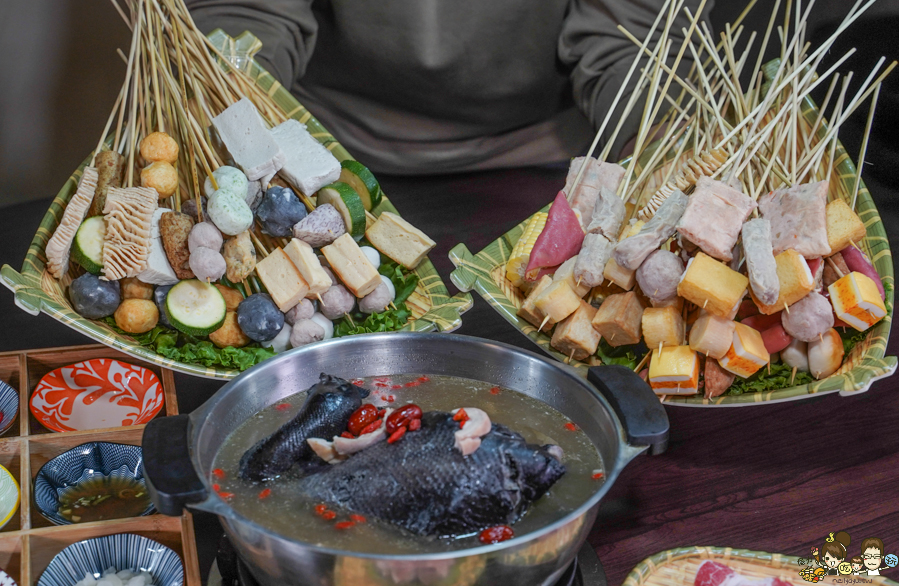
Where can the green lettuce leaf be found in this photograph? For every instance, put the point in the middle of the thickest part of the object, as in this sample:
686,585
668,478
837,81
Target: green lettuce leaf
762,381
404,280
389,320
623,355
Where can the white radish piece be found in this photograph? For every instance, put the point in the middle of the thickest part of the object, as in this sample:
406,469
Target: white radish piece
825,355
281,342
325,323
796,355
373,256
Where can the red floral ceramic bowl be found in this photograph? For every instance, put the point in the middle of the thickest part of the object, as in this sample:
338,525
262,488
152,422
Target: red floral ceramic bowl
96,394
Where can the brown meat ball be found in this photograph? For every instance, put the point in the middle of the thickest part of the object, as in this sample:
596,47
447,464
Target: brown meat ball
162,177
159,146
134,288
232,297
230,333
137,316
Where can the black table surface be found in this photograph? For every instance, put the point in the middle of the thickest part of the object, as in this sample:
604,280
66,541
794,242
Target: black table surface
775,478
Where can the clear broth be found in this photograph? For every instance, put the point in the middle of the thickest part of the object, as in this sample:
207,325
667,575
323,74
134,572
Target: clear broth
104,497
285,510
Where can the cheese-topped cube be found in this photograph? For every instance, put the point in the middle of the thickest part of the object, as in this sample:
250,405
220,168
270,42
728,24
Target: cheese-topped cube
747,354
310,267
352,266
843,225
529,312
712,335
574,336
282,278
796,281
619,319
662,325
399,240
624,278
712,285
857,301
557,301
565,272
674,371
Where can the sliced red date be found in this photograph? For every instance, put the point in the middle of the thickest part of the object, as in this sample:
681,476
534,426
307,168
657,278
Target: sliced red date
402,417
361,418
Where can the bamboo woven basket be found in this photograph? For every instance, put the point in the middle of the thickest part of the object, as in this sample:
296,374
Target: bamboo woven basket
677,567
485,273
432,307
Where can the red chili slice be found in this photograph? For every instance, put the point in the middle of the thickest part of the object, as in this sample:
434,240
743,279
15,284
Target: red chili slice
265,493
361,417
496,534
395,436
401,417
358,519
371,426
344,525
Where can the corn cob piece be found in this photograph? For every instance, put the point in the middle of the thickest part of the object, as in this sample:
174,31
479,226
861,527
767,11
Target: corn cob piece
521,254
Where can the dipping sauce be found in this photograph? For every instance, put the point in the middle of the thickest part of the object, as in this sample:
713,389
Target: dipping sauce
278,505
104,497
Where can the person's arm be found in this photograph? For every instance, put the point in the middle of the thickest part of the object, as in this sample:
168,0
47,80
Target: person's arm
287,29
600,56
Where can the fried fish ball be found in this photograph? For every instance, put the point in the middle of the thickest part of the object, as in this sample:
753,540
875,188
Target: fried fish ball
137,316
132,288
232,297
161,176
230,333
159,146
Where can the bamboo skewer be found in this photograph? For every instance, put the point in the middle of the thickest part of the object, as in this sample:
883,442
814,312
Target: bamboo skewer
864,149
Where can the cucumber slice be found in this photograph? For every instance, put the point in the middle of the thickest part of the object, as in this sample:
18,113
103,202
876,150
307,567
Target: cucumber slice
87,249
195,308
357,176
345,199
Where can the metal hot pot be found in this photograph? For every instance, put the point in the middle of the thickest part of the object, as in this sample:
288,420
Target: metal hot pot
614,407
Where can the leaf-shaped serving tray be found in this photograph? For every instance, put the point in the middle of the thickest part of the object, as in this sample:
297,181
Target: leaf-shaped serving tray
485,272
432,307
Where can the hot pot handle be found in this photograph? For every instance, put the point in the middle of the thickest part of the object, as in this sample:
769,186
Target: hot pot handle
636,405
171,478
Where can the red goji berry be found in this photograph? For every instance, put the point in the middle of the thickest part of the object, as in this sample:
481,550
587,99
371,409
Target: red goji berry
216,487
358,518
382,384
396,435
597,475
347,435
424,379
413,383
329,515
391,399
571,426
496,534
344,525
226,495
265,493
358,382
395,387
494,390
320,509
218,473
282,406
374,425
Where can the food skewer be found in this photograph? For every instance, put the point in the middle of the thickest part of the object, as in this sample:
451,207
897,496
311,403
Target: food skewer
864,148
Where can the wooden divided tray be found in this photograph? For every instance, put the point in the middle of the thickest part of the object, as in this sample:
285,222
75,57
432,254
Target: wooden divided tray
677,567
29,542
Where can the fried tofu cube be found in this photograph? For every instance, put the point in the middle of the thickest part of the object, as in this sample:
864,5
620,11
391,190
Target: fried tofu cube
674,371
624,278
575,336
662,325
747,353
843,226
712,335
796,281
565,272
352,266
528,310
856,300
557,301
619,319
712,285
282,278
399,240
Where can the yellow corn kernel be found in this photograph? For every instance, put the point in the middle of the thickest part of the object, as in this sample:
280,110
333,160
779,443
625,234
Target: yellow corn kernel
521,253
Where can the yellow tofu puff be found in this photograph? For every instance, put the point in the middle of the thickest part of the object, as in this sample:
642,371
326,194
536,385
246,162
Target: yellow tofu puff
747,353
528,310
712,335
557,301
843,226
619,319
662,326
624,278
565,272
674,371
712,285
796,281
574,336
856,300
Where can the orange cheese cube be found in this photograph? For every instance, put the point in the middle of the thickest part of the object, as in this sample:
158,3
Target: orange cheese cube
674,371
856,300
747,354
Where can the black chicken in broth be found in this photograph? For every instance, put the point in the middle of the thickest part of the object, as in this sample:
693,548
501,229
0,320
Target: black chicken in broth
439,457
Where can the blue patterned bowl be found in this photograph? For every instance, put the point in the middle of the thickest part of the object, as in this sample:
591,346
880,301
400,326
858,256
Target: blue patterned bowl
88,462
9,406
124,551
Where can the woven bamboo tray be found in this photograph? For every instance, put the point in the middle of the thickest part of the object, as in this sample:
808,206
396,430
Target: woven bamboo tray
29,541
677,567
432,307
485,273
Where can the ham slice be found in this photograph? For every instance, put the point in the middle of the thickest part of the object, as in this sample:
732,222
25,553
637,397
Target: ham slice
561,239
717,574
